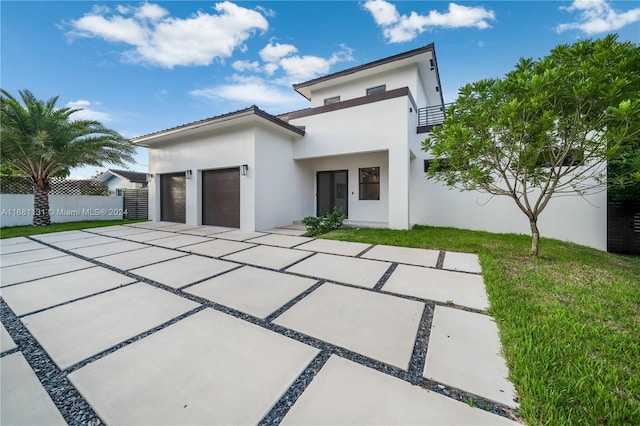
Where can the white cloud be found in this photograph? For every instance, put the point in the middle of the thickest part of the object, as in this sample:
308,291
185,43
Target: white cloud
246,66
249,90
272,53
399,28
161,40
87,111
301,68
597,16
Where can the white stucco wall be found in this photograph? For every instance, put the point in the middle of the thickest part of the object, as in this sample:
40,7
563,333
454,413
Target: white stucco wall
17,209
403,77
206,152
568,218
359,210
275,192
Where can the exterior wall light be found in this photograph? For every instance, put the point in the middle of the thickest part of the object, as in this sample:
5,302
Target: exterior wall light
149,177
244,169
188,174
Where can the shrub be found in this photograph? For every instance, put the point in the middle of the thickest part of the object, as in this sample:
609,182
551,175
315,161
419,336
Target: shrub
323,224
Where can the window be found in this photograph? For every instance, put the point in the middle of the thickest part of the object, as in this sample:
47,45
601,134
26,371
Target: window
370,183
330,101
443,165
377,89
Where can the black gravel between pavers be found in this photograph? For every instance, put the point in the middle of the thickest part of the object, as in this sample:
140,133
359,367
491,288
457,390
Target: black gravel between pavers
385,277
440,261
413,375
74,408
284,404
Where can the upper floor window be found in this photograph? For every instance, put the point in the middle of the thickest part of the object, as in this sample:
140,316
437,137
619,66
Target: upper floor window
333,100
369,183
377,89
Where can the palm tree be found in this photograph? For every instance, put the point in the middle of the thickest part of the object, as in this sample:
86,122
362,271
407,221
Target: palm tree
42,141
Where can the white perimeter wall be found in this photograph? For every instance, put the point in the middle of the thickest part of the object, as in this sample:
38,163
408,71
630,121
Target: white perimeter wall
569,218
17,209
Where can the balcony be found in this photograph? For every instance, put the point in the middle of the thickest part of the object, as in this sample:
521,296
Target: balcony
428,117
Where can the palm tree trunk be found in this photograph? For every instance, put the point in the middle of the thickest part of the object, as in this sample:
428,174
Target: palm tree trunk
41,216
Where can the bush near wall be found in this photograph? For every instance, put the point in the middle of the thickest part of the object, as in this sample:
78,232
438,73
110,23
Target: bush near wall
59,186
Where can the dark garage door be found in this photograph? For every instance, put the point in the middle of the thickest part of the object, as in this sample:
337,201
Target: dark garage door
173,197
221,197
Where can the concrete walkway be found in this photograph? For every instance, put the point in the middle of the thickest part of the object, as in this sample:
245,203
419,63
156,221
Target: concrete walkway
162,323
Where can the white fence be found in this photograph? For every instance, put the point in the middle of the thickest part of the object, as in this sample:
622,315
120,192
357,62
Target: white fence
17,209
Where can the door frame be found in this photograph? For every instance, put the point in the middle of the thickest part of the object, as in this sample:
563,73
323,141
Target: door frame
346,198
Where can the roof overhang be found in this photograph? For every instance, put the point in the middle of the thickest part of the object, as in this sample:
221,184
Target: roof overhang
424,57
246,117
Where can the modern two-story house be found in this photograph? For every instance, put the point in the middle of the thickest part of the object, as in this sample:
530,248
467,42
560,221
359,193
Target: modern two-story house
357,147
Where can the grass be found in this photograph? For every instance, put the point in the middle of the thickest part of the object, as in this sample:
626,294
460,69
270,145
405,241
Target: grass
24,231
569,320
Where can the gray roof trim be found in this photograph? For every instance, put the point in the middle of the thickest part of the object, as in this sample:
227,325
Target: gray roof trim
428,48
252,110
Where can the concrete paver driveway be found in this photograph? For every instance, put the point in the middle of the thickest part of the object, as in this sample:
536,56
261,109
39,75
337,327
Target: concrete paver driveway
160,323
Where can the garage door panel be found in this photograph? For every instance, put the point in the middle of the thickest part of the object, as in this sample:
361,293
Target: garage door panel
221,197
173,197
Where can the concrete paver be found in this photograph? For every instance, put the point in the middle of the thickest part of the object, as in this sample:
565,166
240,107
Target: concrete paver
93,252
179,240
20,246
215,369
6,342
18,273
141,257
238,235
344,248
287,231
12,241
150,235
441,286
376,325
217,247
412,256
346,393
29,256
23,399
184,270
254,291
85,242
56,237
46,292
206,230
360,272
466,262
464,352
280,240
268,257
73,332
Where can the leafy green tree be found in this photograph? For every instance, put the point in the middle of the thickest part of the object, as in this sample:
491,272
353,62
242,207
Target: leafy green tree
545,129
42,141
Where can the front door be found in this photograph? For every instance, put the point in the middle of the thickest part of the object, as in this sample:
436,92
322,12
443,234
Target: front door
333,191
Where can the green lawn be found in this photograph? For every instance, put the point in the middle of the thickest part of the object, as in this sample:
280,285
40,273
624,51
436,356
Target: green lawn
569,320
23,231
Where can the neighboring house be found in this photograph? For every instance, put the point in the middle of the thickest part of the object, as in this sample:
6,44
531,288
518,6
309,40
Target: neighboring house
117,180
357,147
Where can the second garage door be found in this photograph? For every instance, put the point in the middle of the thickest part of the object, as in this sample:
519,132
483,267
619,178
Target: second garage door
221,197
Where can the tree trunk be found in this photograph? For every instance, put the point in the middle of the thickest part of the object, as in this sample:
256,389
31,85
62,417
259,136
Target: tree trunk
535,237
41,216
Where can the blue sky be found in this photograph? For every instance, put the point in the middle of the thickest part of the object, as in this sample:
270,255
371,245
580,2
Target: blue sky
140,67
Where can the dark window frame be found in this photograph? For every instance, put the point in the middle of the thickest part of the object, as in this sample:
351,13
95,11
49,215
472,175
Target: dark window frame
332,100
364,186
377,89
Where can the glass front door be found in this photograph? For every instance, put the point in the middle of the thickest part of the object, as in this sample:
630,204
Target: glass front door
333,191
